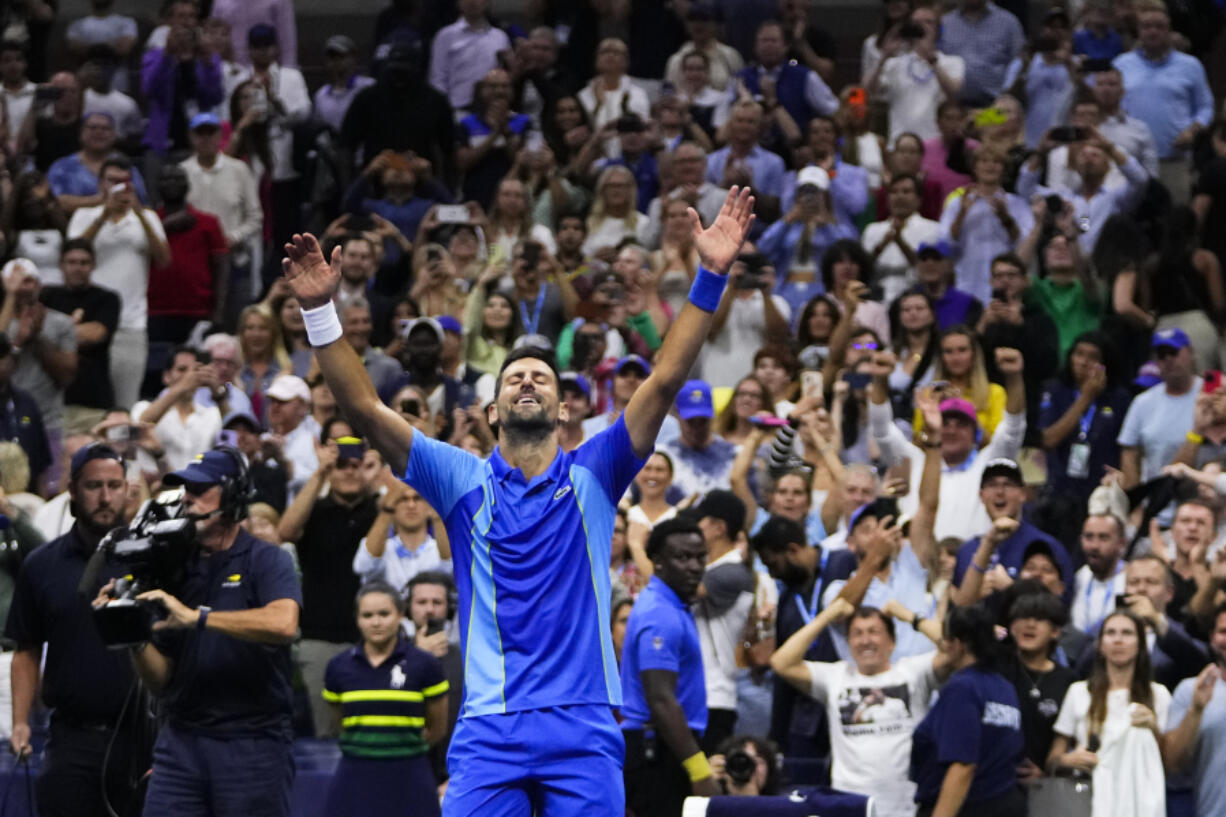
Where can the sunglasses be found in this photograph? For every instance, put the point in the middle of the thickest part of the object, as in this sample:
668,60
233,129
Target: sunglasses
867,346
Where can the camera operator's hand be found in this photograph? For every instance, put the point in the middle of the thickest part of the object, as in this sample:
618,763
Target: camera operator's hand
178,615
19,741
105,593
706,788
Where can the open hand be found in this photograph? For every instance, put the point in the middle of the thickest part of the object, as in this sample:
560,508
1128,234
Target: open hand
719,244
313,280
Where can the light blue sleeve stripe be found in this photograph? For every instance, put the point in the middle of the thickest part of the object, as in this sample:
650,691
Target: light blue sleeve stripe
597,515
485,669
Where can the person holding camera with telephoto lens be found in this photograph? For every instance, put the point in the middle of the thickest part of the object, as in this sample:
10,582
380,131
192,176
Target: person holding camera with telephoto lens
86,686
220,659
747,766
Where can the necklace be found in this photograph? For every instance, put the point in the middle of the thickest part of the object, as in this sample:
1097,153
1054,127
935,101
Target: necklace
1034,693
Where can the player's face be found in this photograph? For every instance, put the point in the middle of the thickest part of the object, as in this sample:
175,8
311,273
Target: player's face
378,618
870,644
528,398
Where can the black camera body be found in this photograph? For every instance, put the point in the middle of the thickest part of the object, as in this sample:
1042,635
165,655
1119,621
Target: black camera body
740,766
154,551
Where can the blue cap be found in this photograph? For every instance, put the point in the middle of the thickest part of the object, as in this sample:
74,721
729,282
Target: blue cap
241,417
633,360
941,248
694,400
1174,337
209,468
88,453
450,324
203,120
579,381
1148,376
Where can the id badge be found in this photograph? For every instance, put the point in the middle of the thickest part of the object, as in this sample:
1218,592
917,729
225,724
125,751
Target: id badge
1079,461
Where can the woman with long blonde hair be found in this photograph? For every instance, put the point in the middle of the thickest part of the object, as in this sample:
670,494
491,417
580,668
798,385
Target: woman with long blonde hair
960,363
264,355
615,214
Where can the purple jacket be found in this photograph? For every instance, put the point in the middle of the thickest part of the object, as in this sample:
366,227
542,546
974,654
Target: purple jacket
157,81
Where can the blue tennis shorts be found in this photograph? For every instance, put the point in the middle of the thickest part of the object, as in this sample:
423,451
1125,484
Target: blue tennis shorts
563,761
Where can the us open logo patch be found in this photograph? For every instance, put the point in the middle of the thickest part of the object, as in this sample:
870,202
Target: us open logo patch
233,580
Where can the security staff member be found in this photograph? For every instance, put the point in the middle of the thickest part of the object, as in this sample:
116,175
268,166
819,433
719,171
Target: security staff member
85,684
221,660
663,686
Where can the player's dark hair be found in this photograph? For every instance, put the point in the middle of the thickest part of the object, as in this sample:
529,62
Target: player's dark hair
525,353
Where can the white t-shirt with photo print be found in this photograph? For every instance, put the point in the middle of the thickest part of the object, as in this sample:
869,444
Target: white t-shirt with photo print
871,720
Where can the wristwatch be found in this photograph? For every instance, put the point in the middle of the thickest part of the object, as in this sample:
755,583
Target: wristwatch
204,611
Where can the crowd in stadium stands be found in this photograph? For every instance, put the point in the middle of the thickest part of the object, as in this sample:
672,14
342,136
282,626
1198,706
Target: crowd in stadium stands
966,372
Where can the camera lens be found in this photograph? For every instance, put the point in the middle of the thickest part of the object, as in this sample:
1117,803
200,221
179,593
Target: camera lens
740,766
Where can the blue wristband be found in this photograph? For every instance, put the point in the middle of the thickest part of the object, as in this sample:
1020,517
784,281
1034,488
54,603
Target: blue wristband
707,289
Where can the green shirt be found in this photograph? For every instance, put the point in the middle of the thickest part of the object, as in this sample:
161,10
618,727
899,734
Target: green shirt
1073,309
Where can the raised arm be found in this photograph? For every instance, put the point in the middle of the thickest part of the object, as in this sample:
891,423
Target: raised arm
717,246
923,537
314,281
788,661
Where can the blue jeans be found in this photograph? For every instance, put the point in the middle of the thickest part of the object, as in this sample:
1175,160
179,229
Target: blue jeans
199,776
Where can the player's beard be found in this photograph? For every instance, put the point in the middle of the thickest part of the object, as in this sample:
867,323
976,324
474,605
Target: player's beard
529,427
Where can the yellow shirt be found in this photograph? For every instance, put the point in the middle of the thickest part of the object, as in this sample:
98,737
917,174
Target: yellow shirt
989,416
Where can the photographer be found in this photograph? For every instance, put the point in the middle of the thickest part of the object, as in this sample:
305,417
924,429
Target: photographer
747,766
84,684
224,676
749,316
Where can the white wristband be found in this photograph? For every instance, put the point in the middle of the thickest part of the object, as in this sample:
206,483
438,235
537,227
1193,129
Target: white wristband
323,325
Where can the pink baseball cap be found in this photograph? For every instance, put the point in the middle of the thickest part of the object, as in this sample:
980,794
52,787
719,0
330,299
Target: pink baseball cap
957,405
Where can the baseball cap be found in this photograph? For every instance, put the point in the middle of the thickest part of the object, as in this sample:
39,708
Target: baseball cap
88,453
430,322
1040,548
340,44
1148,375
22,267
1174,337
577,381
1001,467
208,468
289,387
450,324
260,35
813,175
694,400
879,508
940,249
633,360
206,119
956,405
241,417
723,505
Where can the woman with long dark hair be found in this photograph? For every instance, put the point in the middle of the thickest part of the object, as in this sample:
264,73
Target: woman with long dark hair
814,330
913,328
843,264
1181,285
491,323
33,225
1080,415
1111,725
964,752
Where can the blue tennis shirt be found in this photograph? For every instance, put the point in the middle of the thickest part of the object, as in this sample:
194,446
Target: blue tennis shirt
531,563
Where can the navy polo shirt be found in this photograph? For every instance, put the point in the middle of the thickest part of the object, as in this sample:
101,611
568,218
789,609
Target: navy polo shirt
1102,425
976,720
383,708
1010,552
531,560
661,635
221,686
83,681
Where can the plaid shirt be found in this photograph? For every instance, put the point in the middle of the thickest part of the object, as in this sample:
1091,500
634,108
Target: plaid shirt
986,45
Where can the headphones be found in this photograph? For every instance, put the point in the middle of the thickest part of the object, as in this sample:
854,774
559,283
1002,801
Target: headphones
236,491
442,579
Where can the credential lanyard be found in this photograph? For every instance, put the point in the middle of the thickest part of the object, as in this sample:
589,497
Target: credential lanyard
808,614
531,324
